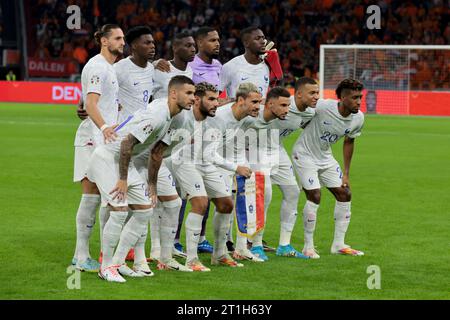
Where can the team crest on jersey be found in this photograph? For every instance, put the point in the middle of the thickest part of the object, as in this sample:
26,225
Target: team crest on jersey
148,129
95,79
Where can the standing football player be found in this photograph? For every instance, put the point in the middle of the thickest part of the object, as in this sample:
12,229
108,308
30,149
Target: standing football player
100,94
314,162
119,182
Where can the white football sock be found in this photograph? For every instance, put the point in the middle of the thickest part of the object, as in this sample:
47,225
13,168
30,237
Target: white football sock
257,239
139,248
342,216
230,228
155,224
193,229
288,212
134,229
85,221
309,223
241,242
103,216
221,223
111,236
169,225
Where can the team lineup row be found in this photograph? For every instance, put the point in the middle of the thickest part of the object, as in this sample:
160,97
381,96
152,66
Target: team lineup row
137,160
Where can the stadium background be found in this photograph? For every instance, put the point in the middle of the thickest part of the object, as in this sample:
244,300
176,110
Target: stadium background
399,174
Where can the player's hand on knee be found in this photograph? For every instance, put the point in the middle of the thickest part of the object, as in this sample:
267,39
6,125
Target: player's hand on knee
244,171
109,135
120,191
346,182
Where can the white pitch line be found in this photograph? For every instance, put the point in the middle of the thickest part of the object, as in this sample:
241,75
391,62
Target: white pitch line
35,123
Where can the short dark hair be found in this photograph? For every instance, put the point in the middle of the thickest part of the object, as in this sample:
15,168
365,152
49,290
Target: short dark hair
135,32
203,32
302,81
104,31
180,36
277,92
180,80
247,31
348,84
202,87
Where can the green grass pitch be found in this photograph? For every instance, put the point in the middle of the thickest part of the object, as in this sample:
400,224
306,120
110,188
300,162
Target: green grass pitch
400,179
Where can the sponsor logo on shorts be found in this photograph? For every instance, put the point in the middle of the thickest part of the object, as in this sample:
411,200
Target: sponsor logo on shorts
311,180
328,123
347,131
197,186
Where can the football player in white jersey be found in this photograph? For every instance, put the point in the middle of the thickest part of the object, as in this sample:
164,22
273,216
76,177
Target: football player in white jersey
183,46
195,164
228,120
300,113
120,184
135,73
100,94
314,162
265,154
249,67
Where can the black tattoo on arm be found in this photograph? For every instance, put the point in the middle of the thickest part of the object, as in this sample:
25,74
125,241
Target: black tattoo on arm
126,147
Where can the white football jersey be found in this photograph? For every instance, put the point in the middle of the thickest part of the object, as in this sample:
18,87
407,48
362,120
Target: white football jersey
98,76
135,86
326,128
146,125
238,70
196,142
161,83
